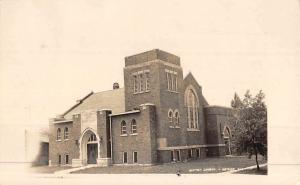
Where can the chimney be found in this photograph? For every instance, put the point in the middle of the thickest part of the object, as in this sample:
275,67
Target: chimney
116,85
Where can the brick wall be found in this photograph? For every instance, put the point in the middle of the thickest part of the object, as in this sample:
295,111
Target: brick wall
216,119
63,147
103,130
143,142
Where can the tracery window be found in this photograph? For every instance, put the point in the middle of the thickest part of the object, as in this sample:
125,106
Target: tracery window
92,138
176,118
170,116
192,109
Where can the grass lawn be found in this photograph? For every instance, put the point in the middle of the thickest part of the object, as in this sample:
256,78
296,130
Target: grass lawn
208,165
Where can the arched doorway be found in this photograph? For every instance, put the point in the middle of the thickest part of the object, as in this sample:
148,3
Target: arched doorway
227,140
89,147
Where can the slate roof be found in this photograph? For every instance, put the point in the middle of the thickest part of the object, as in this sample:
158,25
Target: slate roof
112,99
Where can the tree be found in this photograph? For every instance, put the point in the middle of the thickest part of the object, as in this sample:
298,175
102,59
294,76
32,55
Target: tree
250,126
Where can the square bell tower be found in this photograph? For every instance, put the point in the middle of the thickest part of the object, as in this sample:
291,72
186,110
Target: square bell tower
154,77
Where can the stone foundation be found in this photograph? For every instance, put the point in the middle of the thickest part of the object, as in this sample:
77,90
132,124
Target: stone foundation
104,161
77,163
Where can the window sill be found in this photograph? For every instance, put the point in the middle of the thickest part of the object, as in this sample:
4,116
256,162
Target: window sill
141,92
124,135
134,134
66,139
58,140
174,127
193,130
172,91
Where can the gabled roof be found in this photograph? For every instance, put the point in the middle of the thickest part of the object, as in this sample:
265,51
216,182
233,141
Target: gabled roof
112,99
191,76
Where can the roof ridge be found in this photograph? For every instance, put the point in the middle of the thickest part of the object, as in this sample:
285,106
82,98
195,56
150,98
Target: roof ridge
108,90
78,102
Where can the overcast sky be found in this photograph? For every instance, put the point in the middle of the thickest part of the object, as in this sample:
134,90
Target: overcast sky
55,52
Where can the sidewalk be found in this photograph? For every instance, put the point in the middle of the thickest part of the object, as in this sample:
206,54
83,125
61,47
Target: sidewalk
61,172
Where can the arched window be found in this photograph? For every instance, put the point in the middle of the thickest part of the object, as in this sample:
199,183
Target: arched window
192,108
58,134
123,128
176,117
226,132
170,116
133,127
92,138
227,140
66,133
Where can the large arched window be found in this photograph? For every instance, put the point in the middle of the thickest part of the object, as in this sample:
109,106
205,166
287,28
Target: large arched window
58,134
133,127
66,133
123,128
192,104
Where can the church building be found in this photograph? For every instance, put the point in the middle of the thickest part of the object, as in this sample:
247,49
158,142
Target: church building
158,117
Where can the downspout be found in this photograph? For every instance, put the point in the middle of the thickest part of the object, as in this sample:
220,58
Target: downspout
111,141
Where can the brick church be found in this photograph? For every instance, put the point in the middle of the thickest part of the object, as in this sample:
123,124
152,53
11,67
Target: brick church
159,116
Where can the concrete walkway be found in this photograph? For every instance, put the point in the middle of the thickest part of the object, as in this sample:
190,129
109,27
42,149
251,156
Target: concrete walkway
247,168
67,171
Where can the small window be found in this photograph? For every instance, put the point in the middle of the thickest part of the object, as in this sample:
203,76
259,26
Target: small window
58,134
167,78
123,128
134,157
66,133
175,83
198,152
124,157
135,84
176,118
190,153
67,159
170,116
59,159
178,155
133,127
147,81
172,156
141,77
171,77
172,82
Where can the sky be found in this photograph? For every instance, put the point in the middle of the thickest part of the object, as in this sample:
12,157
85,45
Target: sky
55,52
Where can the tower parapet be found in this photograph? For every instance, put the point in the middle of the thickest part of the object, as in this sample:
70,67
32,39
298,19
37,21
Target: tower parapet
152,55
